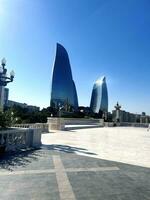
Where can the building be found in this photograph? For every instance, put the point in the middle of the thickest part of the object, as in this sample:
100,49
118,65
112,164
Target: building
22,105
99,97
119,115
8,103
63,90
124,116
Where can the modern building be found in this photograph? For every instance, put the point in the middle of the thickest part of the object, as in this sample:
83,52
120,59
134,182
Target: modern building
63,90
99,97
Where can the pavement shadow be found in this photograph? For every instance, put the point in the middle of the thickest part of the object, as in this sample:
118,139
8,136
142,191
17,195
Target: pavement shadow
22,158
19,158
67,149
128,182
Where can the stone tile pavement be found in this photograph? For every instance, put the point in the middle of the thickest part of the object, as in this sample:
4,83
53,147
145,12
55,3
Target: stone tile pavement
50,174
87,164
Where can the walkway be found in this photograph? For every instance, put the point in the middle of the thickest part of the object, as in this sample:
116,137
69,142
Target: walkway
58,172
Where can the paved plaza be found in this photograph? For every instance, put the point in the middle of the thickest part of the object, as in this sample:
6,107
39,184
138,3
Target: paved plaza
82,164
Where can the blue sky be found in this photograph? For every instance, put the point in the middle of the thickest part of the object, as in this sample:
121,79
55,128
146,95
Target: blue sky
102,37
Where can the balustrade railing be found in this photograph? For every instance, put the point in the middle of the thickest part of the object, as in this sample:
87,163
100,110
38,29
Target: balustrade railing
42,126
17,138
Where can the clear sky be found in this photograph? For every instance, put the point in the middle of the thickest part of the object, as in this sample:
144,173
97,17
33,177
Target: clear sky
102,37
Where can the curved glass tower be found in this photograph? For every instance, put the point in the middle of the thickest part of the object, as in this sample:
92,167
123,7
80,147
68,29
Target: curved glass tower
63,91
99,98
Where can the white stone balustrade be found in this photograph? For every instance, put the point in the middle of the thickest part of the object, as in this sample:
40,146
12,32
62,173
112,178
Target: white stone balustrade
17,138
42,126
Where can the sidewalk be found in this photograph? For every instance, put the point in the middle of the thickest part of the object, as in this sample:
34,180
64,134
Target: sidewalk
50,174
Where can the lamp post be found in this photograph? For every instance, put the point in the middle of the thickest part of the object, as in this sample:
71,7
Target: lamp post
59,109
117,107
4,80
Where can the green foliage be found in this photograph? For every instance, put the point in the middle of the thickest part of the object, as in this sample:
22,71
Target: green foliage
19,115
5,120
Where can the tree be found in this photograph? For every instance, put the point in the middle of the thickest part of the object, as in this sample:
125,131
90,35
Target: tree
5,120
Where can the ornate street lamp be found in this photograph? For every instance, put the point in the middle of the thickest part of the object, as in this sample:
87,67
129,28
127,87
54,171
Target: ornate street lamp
117,107
4,80
60,109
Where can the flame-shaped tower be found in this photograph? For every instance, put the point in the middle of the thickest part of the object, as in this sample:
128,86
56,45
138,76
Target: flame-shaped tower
99,98
63,90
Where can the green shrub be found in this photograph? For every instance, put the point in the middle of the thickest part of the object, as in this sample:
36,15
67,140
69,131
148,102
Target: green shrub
5,120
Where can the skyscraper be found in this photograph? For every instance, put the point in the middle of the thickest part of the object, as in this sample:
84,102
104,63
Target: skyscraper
99,98
63,90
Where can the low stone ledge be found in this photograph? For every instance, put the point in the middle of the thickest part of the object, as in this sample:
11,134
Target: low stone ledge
56,123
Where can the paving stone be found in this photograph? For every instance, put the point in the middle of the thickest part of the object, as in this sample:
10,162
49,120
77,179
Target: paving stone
29,187
127,182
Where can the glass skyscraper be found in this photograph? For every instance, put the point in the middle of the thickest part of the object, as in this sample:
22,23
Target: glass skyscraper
99,98
63,90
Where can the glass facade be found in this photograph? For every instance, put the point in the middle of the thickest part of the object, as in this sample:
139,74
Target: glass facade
63,90
99,98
